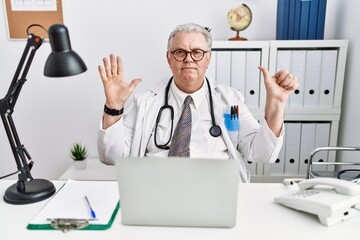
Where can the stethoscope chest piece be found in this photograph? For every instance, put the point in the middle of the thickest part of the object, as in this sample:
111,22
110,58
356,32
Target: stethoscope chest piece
215,131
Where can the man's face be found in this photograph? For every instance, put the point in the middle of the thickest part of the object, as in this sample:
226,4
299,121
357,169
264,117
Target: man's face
188,74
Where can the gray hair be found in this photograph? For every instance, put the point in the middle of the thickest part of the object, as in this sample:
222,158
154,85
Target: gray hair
191,28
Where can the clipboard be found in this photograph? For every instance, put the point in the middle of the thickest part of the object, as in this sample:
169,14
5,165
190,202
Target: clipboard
68,210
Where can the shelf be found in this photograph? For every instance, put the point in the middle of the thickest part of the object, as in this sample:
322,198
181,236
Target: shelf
320,67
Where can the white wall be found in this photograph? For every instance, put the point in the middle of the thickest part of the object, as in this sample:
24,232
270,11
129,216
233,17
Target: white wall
51,114
348,17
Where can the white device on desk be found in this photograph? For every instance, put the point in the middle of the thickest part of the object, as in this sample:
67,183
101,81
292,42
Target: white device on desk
332,200
178,191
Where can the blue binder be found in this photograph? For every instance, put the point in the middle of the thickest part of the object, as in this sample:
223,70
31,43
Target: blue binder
304,19
313,19
291,27
282,18
300,19
297,19
321,20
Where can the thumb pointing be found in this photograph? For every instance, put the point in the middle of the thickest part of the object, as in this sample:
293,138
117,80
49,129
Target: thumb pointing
265,72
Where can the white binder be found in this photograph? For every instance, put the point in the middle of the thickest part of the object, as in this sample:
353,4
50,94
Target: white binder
223,67
252,85
307,145
321,140
238,63
312,78
292,151
283,60
328,74
298,64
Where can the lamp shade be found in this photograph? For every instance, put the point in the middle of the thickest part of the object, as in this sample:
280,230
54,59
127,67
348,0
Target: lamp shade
62,61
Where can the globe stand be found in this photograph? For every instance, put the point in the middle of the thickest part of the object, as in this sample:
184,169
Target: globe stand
237,37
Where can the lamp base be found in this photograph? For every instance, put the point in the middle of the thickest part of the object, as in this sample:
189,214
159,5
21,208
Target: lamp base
34,191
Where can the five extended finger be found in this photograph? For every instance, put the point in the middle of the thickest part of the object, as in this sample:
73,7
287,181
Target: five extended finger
107,67
113,62
119,65
102,73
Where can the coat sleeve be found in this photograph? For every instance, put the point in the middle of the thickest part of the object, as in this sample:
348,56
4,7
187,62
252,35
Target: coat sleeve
115,141
257,143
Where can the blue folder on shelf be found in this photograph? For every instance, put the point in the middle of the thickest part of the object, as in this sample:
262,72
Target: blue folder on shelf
300,19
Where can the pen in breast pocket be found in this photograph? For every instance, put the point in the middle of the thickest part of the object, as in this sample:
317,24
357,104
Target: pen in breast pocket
92,212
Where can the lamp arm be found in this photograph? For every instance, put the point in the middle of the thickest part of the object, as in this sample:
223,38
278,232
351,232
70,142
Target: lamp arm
7,105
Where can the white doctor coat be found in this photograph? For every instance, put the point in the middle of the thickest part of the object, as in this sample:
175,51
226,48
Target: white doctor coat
130,135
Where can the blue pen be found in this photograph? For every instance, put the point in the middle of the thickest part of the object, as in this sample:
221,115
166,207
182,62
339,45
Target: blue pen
93,215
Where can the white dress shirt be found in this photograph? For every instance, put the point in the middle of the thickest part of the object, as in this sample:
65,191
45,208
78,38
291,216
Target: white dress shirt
202,144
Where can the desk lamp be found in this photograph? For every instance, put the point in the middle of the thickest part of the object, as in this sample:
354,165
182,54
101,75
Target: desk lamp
63,61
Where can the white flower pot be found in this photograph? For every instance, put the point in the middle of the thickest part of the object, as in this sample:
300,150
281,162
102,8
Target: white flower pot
80,165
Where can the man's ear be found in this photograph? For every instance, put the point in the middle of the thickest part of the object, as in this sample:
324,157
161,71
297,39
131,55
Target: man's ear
209,58
168,57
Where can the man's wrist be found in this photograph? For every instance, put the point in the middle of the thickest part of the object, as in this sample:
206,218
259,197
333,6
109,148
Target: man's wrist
112,111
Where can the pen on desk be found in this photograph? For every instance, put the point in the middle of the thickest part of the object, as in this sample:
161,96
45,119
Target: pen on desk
93,215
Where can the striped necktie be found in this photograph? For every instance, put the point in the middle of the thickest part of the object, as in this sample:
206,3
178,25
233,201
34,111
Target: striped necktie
180,144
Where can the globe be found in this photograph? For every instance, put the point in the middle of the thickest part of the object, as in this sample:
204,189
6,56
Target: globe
239,18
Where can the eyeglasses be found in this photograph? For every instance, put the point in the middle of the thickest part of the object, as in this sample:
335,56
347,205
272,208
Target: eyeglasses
197,54
349,174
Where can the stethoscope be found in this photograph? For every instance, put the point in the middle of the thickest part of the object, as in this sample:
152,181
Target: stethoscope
215,130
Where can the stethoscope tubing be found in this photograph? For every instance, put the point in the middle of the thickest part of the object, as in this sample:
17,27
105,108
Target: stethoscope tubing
215,130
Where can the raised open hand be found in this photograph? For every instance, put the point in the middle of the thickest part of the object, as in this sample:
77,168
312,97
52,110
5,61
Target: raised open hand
117,90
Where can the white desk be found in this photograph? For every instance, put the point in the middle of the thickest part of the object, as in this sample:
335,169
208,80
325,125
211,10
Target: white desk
95,170
258,218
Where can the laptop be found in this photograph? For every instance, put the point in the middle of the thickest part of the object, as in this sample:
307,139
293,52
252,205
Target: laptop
182,192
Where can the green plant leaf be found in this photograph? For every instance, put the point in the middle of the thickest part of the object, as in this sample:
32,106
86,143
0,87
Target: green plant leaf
78,152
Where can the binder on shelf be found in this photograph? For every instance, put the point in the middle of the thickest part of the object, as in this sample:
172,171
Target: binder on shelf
321,140
282,17
307,145
297,17
291,27
321,20
238,63
223,67
304,19
300,19
252,81
283,60
313,19
328,76
312,78
292,151
69,203
298,63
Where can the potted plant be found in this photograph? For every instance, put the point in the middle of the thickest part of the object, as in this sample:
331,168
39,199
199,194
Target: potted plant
79,153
